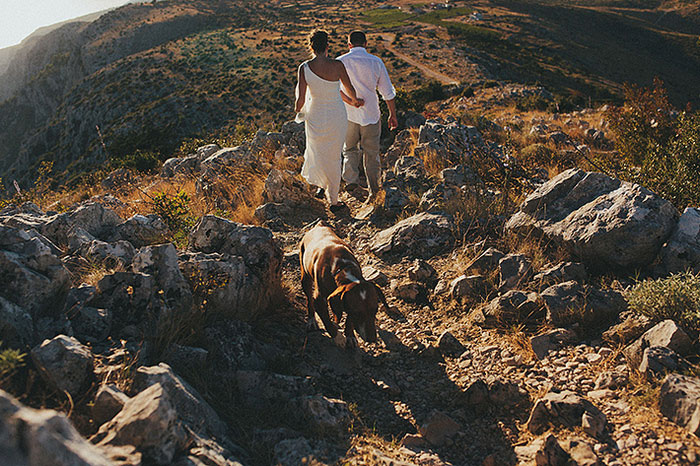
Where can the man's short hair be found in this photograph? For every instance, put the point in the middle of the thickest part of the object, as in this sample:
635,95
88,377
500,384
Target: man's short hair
357,38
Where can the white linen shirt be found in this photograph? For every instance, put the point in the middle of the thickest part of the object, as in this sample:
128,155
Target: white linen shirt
368,75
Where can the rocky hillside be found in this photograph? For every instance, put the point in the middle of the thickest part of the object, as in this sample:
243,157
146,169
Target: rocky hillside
156,75
148,325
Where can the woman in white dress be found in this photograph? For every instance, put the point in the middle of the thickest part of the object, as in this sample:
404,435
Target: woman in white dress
320,104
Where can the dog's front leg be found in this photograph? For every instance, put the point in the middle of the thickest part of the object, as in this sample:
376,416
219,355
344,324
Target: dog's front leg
307,286
350,339
322,310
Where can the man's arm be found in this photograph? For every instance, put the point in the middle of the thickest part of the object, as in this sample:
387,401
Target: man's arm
393,121
388,93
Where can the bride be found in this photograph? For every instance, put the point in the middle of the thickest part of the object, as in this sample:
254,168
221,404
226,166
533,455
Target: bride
324,115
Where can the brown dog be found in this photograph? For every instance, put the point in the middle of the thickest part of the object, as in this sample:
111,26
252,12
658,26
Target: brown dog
330,275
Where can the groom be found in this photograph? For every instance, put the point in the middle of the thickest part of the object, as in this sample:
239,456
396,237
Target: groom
368,74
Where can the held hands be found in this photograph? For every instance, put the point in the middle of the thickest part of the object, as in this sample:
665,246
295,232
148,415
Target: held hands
357,103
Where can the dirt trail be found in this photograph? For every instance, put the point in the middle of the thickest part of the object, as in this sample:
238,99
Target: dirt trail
388,39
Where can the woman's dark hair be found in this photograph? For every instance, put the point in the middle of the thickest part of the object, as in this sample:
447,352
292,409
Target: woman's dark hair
318,40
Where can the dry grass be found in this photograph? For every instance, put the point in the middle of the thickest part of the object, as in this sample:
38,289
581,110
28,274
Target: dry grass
92,271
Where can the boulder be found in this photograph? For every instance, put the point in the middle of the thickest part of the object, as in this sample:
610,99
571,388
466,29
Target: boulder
293,452
679,400
682,250
570,302
16,325
228,285
262,389
325,415
601,220
129,297
421,271
180,166
562,272
92,217
550,453
255,245
117,253
286,187
31,273
515,271
466,287
512,307
204,152
407,290
449,344
409,170
485,262
422,235
551,340
630,327
91,324
65,364
142,230
42,438
657,360
438,428
374,275
148,421
582,454
566,409
108,402
161,263
666,334
189,405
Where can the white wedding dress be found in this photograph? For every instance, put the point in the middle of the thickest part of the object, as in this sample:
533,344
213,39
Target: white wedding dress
326,123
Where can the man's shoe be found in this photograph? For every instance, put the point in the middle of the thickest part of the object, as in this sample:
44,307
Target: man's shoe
351,187
320,193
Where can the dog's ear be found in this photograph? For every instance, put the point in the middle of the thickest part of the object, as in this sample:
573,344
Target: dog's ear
335,301
382,298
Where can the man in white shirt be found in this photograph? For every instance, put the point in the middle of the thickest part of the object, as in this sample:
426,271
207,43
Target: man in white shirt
368,75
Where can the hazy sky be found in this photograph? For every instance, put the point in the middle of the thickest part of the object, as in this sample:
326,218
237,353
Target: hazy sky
19,18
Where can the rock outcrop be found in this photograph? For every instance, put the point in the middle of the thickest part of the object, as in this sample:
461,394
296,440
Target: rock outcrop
603,221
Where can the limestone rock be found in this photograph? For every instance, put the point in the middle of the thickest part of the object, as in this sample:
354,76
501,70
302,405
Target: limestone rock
566,409
421,271
551,340
188,403
438,428
31,272
665,334
16,325
464,287
551,453
286,187
486,262
658,360
513,307
108,402
562,272
515,270
325,415
682,251
161,263
42,438
601,220
148,421
679,400
65,363
142,230
422,235
255,245
449,344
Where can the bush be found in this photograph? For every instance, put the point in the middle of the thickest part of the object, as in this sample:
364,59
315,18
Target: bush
175,212
676,297
11,361
141,161
532,102
659,147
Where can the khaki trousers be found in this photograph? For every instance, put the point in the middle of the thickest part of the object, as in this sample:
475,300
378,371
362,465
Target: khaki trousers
362,145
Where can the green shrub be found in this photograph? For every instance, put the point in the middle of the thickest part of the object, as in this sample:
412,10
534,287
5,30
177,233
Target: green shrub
537,155
11,360
659,148
175,211
532,102
141,161
675,297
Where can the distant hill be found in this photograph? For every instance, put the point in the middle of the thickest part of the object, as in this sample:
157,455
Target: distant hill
152,75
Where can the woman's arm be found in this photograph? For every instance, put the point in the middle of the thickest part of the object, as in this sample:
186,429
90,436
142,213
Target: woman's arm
346,98
301,90
345,79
